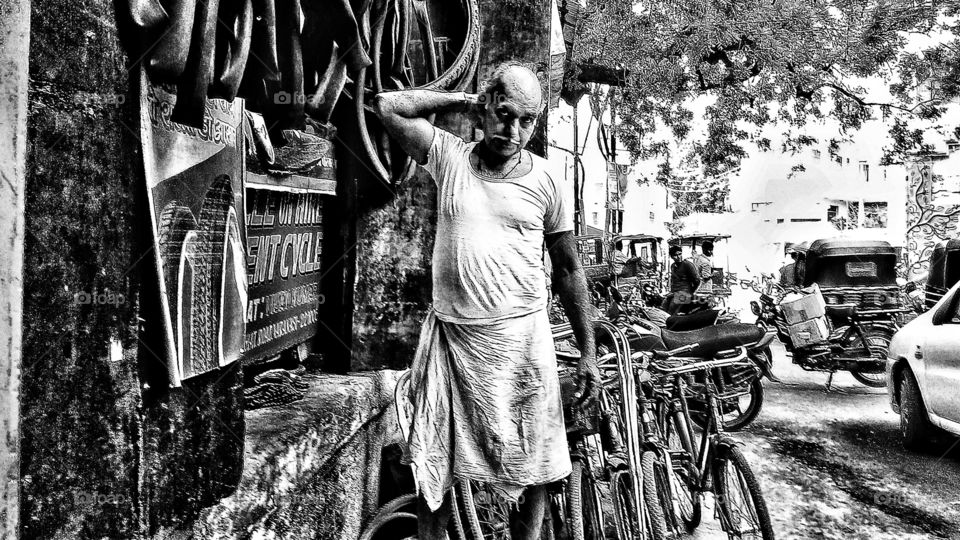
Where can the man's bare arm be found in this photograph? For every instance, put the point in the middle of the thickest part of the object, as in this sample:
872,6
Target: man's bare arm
571,283
404,115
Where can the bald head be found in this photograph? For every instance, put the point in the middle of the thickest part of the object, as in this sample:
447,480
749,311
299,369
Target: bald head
513,101
514,82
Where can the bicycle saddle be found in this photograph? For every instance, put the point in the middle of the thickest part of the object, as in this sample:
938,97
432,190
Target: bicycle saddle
713,339
693,321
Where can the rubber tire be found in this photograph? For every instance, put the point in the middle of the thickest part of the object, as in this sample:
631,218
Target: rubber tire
728,454
582,513
742,421
388,513
661,476
874,380
915,428
651,498
756,405
692,521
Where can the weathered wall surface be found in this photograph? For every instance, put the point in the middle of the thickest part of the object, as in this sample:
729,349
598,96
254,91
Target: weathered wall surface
393,255
79,424
14,44
102,455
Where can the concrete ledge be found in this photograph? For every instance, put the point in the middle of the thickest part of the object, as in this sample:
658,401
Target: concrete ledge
311,469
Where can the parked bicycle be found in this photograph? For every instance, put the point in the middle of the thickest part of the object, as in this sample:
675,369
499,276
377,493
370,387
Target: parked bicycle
713,464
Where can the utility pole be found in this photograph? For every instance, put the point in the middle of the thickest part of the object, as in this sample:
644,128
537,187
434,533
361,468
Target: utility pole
578,227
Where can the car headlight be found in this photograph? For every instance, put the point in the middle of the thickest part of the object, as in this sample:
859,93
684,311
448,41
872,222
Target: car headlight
755,308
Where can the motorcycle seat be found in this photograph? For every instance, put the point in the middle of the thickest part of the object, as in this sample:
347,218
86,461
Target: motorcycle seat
693,321
713,339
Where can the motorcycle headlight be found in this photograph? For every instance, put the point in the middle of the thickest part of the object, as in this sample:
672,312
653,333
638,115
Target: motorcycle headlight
755,308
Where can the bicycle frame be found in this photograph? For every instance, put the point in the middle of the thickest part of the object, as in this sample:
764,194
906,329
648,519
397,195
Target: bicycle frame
712,435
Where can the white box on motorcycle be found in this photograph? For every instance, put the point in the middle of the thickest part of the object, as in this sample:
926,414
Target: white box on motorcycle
809,332
806,305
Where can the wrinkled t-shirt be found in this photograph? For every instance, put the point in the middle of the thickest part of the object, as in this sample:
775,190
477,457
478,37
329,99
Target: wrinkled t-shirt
488,253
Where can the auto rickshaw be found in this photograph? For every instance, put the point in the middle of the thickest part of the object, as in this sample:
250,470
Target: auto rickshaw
859,274
640,280
944,271
858,281
718,287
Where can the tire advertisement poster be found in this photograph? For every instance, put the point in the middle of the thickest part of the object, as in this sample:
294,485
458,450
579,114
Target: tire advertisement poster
284,234
194,180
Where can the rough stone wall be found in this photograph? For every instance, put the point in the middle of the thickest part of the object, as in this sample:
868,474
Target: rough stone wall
78,423
14,44
393,256
103,456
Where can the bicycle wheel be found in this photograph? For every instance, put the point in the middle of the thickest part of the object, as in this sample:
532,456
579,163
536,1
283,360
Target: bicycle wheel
583,505
624,511
486,514
396,519
740,505
663,477
685,493
655,523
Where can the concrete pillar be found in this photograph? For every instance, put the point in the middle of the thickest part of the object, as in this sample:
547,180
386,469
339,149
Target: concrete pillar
14,43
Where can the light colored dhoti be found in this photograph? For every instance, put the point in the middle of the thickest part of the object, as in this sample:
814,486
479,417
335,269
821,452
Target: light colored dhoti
486,402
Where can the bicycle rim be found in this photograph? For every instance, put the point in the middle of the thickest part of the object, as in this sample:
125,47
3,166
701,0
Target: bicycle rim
740,504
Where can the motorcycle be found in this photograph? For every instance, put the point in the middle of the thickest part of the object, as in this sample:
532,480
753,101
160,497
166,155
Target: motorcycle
857,279
741,386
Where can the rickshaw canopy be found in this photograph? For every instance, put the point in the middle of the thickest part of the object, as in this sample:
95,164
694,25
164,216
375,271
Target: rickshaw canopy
851,263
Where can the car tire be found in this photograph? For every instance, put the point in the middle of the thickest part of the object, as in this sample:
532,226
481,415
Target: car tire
915,428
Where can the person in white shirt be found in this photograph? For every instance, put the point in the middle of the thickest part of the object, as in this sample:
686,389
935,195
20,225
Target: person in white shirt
484,382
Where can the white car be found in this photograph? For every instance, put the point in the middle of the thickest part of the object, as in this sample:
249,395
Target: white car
923,372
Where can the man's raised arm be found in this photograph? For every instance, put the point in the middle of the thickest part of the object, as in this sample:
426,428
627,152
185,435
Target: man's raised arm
404,115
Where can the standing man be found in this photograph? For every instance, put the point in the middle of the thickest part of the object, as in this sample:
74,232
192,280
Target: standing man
788,272
484,384
684,280
703,262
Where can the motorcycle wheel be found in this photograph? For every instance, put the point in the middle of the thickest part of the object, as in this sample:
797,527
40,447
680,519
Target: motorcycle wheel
736,413
878,341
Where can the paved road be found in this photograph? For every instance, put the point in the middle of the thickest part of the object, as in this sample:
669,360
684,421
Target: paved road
832,466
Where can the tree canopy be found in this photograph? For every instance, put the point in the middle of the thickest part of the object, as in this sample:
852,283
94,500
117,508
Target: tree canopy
787,61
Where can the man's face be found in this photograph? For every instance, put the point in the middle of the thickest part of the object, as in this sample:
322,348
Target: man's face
508,122
677,257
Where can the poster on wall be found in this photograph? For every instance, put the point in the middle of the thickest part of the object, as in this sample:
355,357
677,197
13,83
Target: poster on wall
194,182
283,270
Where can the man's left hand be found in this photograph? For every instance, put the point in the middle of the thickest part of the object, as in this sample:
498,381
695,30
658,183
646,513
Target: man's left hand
588,380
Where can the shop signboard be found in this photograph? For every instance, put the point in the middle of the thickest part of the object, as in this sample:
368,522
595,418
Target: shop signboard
284,235
194,181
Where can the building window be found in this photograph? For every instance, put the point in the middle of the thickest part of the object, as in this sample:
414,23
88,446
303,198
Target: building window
864,171
832,211
779,220
754,207
804,220
595,216
953,146
875,215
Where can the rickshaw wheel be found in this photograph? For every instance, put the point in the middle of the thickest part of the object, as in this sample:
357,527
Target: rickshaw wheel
878,341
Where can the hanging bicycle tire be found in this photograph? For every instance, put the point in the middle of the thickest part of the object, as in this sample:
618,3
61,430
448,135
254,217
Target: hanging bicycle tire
388,162
395,519
740,504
